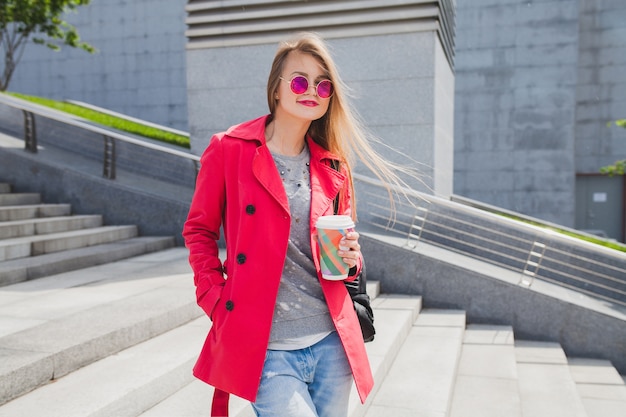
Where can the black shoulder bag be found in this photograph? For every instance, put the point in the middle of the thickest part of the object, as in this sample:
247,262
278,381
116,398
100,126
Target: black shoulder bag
358,292
361,300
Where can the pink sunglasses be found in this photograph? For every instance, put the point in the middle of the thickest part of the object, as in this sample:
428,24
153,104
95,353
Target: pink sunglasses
299,85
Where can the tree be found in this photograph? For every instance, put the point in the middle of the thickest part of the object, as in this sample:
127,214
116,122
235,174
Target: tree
19,19
619,167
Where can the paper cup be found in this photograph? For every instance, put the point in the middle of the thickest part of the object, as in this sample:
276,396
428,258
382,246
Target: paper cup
330,231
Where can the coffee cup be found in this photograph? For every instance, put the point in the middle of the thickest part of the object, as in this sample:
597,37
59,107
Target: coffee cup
330,231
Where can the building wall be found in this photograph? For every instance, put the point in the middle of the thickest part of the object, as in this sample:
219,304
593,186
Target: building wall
515,113
226,86
601,87
534,81
536,84
401,85
399,71
139,69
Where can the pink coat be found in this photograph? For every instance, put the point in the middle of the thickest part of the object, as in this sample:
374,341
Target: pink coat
239,188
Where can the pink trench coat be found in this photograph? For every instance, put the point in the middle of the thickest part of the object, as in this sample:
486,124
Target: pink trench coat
239,187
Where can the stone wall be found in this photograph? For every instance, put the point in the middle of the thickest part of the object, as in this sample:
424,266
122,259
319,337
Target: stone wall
536,84
515,108
139,69
601,89
399,71
534,81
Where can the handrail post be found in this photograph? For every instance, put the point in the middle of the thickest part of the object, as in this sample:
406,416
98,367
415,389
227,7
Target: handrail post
30,132
108,170
418,223
533,264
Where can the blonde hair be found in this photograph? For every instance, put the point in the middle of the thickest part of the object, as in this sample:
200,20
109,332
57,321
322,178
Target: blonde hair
339,130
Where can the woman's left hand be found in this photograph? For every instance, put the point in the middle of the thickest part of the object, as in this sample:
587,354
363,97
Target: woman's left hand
349,249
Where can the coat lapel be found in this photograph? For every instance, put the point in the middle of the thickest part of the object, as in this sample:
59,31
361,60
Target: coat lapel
325,181
264,169
263,166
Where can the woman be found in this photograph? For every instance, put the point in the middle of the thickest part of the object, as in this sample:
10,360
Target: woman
266,182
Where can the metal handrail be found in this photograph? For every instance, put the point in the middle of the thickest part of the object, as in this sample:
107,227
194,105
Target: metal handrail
433,227
533,252
57,116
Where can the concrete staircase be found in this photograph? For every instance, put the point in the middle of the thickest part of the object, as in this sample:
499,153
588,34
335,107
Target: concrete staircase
42,239
119,339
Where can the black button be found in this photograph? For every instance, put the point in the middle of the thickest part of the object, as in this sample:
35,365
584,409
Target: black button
230,305
250,209
241,259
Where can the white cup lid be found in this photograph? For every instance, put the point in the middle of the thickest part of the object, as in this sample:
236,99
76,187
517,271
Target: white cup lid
334,222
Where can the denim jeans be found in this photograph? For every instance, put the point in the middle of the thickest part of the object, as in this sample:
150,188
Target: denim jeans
309,382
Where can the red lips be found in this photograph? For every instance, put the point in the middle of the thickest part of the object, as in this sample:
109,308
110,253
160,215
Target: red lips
308,103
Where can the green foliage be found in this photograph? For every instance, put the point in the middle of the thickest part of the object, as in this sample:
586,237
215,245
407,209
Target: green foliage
587,238
110,121
41,19
619,167
616,169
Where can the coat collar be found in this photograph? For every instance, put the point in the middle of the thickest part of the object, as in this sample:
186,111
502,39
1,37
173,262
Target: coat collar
255,130
325,180
250,130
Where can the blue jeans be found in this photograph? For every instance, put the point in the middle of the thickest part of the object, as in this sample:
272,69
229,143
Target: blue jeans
309,382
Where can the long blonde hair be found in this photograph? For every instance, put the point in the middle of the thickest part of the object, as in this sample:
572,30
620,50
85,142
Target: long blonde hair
339,130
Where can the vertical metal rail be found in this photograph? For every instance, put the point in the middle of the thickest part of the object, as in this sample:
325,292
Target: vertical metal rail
30,132
533,263
417,224
109,158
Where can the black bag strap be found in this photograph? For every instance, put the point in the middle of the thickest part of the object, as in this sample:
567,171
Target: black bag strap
358,289
335,164
361,280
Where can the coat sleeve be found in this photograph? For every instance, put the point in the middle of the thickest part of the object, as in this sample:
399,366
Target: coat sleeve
201,231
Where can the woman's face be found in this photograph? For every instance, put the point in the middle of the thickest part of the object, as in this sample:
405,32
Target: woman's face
307,106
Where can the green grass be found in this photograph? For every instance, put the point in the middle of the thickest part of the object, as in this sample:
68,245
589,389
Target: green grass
598,241
108,120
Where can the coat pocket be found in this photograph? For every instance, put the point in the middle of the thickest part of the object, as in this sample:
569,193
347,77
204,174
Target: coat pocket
209,300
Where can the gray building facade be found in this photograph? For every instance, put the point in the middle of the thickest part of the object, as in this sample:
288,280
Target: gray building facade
536,84
513,112
139,69
396,56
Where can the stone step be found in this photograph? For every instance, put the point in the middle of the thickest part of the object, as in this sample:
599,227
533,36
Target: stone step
546,386
194,400
373,289
600,386
121,385
24,269
487,383
435,367
66,304
55,325
32,211
394,315
5,188
17,199
421,379
38,245
42,226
